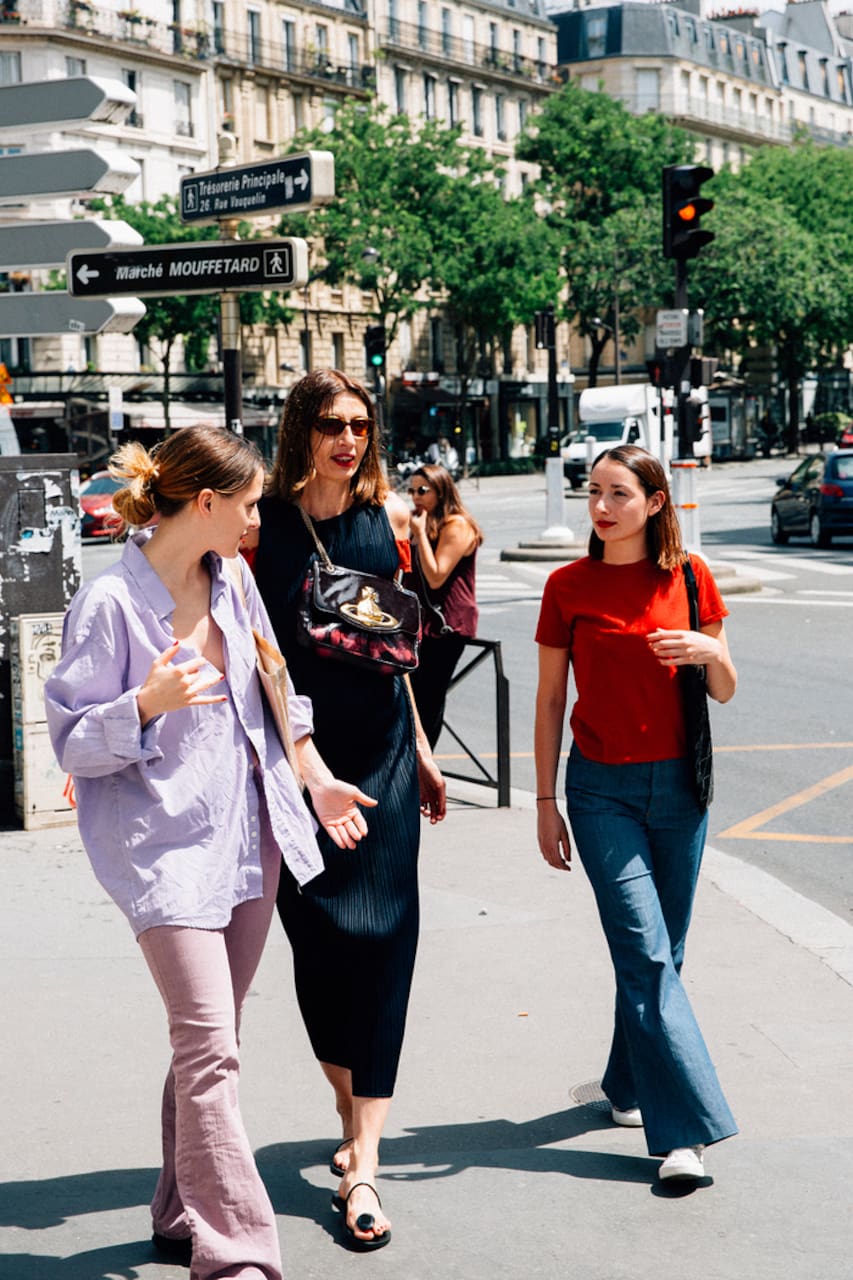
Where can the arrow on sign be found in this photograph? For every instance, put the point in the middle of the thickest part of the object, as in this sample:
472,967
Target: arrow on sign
33,315
86,274
78,98
64,173
301,179
48,244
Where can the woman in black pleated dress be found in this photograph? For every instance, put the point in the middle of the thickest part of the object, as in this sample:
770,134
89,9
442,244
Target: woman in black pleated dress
354,929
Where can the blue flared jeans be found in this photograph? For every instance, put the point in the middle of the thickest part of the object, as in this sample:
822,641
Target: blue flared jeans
640,834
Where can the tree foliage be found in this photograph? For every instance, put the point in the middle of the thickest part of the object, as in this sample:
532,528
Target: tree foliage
778,272
600,183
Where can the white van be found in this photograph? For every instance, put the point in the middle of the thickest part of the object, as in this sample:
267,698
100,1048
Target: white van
625,414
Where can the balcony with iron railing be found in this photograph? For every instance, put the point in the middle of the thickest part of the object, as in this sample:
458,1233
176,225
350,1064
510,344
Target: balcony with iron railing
409,38
131,27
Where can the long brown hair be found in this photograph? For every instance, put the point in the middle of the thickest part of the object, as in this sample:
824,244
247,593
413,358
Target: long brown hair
162,480
293,467
663,532
448,502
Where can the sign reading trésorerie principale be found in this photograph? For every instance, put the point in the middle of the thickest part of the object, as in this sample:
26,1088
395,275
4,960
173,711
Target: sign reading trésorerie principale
293,183
211,266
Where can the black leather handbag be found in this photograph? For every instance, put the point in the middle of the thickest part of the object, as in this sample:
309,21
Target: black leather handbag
358,618
697,722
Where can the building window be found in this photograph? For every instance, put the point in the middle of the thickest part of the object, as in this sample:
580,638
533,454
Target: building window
781,52
516,49
596,35
468,38
131,78
648,89
75,66
321,39
400,102
183,112
218,26
338,351
453,102
477,111
288,44
262,112
446,31
393,21
841,81
493,42
9,68
429,97
804,70
253,50
500,116
422,24
436,342
298,108
522,114
352,46
540,56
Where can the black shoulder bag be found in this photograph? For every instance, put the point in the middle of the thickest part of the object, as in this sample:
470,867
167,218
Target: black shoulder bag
358,618
697,722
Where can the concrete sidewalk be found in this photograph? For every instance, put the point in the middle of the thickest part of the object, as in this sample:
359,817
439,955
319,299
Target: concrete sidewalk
499,1160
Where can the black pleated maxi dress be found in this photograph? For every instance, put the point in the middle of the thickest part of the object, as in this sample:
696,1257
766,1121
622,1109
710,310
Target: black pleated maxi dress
354,928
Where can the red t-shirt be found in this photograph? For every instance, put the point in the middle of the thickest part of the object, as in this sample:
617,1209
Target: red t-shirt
629,706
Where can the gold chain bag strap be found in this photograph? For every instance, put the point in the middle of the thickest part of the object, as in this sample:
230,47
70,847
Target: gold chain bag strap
358,618
272,673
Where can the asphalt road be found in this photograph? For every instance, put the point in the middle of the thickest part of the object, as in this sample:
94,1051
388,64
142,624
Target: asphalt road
784,744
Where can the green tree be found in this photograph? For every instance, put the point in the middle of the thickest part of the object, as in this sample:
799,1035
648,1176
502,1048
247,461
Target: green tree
378,232
495,263
778,272
600,181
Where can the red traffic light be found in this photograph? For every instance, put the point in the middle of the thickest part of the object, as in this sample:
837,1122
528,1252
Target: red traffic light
683,208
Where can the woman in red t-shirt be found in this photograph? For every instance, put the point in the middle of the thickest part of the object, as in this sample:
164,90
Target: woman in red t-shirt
621,618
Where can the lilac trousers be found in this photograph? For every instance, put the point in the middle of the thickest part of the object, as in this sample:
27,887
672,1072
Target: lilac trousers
209,1186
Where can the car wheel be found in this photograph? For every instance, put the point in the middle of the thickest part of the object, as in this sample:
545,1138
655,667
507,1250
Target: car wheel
777,533
817,533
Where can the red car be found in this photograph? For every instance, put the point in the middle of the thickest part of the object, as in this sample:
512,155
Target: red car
845,440
100,519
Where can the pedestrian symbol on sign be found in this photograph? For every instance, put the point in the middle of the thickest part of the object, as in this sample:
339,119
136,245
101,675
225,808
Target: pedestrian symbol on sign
276,263
190,198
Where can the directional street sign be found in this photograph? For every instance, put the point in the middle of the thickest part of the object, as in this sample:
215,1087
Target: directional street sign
211,266
48,244
64,173
293,183
671,328
36,104
34,315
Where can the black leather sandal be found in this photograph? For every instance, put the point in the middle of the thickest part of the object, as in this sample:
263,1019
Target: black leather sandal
364,1222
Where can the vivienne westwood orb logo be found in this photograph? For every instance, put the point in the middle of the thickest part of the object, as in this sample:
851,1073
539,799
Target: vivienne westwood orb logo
367,612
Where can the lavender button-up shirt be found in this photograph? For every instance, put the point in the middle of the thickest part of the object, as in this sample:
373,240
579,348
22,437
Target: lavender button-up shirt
169,813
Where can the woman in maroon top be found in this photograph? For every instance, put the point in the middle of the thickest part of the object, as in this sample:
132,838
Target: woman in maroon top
621,618
445,539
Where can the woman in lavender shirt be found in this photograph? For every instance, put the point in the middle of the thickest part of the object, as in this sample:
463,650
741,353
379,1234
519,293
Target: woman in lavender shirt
186,806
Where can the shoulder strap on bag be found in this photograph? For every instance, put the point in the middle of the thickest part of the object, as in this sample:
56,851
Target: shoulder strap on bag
309,525
692,593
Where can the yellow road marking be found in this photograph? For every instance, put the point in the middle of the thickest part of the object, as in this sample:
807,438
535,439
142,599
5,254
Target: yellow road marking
750,828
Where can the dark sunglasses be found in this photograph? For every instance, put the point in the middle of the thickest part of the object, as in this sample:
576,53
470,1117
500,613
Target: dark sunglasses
330,425
421,489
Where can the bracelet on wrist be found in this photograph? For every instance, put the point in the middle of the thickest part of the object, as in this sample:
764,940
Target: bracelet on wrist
538,798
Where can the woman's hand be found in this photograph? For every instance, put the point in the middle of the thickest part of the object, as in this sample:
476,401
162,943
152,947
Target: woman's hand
417,527
336,806
684,648
171,686
433,788
554,843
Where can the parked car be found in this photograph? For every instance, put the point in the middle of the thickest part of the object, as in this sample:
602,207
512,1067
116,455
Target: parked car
815,501
845,440
99,518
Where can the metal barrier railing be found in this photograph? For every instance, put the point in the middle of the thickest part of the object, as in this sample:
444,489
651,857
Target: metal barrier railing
501,782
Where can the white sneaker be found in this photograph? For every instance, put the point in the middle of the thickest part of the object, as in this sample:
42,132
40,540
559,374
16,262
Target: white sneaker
630,1119
683,1163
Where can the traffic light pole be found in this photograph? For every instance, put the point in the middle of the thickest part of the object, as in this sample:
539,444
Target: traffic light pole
684,466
